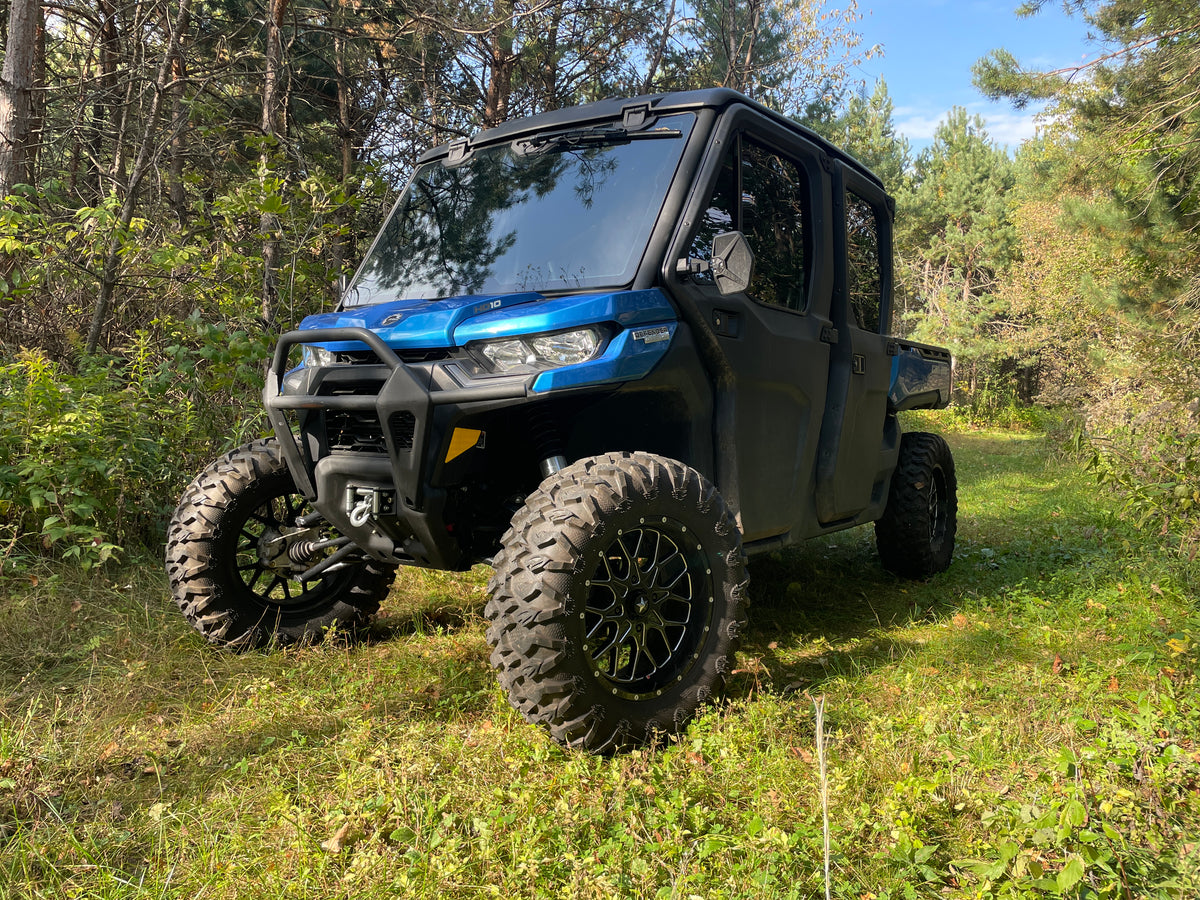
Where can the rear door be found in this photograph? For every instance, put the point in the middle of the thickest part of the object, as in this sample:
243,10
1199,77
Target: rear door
855,459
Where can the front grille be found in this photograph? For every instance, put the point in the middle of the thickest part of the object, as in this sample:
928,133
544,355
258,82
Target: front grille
403,426
354,431
369,357
337,387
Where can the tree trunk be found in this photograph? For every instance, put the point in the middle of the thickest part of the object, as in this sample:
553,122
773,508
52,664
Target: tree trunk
17,95
346,135
176,195
549,67
272,107
106,109
501,61
659,50
145,159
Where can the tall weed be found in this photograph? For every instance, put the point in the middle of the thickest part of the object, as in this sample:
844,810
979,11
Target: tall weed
995,404
1158,476
92,461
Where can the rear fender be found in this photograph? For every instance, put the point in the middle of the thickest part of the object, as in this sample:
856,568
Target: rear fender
920,377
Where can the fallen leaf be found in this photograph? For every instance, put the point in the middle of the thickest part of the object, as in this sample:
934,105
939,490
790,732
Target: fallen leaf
343,838
76,606
803,754
1058,665
1113,687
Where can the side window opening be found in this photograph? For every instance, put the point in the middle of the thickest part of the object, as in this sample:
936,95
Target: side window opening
774,219
864,277
719,216
766,196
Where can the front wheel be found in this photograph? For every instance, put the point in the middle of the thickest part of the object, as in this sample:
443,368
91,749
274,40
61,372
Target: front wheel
618,601
237,546
915,536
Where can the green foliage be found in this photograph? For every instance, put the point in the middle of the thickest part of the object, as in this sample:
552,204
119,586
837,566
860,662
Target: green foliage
1158,475
1123,166
864,127
92,461
791,55
76,459
994,404
954,239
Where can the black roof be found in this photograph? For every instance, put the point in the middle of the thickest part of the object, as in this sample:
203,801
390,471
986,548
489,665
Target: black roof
655,104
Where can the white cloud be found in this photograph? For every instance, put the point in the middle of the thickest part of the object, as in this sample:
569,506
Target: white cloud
1004,125
1009,127
915,124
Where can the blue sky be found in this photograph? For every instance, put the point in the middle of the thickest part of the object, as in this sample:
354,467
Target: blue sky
929,47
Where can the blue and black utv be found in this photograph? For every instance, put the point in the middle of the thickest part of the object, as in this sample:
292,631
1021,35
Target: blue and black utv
612,351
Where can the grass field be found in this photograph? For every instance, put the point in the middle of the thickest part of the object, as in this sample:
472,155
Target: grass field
1024,725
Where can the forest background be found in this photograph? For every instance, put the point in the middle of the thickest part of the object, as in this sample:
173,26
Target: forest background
184,179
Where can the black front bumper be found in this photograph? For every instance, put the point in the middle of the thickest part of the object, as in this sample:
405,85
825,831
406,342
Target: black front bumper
416,407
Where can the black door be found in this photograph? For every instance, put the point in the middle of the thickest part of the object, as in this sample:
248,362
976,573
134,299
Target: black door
770,185
855,455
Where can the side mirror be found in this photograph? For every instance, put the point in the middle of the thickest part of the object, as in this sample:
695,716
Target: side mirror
732,263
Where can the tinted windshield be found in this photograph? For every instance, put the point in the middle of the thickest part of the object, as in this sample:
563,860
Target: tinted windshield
563,217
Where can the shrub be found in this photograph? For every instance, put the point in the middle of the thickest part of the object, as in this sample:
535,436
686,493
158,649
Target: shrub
92,461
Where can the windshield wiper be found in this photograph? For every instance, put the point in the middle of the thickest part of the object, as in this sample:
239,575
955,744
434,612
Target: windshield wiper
606,135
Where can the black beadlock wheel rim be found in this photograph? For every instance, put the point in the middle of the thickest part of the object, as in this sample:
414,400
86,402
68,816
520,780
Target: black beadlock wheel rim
937,507
648,608
261,562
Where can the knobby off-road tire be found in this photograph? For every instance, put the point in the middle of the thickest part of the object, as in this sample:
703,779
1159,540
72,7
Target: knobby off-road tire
915,537
618,600
229,564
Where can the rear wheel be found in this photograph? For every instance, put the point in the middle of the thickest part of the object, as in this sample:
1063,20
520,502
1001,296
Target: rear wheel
915,536
236,549
618,601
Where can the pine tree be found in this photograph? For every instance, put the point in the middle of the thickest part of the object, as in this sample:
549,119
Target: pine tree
954,239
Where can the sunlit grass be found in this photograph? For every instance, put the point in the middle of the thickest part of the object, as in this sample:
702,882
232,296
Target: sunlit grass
1020,726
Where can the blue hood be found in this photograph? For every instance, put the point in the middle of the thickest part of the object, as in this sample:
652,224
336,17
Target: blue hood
414,324
453,321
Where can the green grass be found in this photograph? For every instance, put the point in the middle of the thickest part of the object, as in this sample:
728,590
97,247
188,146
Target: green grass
1024,725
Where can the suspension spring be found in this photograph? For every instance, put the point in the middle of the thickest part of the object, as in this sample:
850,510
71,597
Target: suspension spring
543,431
301,551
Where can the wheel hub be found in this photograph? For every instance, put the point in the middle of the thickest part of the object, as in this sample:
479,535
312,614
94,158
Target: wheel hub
643,618
286,551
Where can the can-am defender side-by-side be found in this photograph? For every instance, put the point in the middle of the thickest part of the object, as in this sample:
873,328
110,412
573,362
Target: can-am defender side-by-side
613,351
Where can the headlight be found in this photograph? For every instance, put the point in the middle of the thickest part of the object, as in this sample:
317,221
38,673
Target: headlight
568,348
315,356
295,382
511,356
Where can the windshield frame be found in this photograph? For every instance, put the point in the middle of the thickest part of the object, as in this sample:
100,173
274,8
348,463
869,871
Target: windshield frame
683,125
